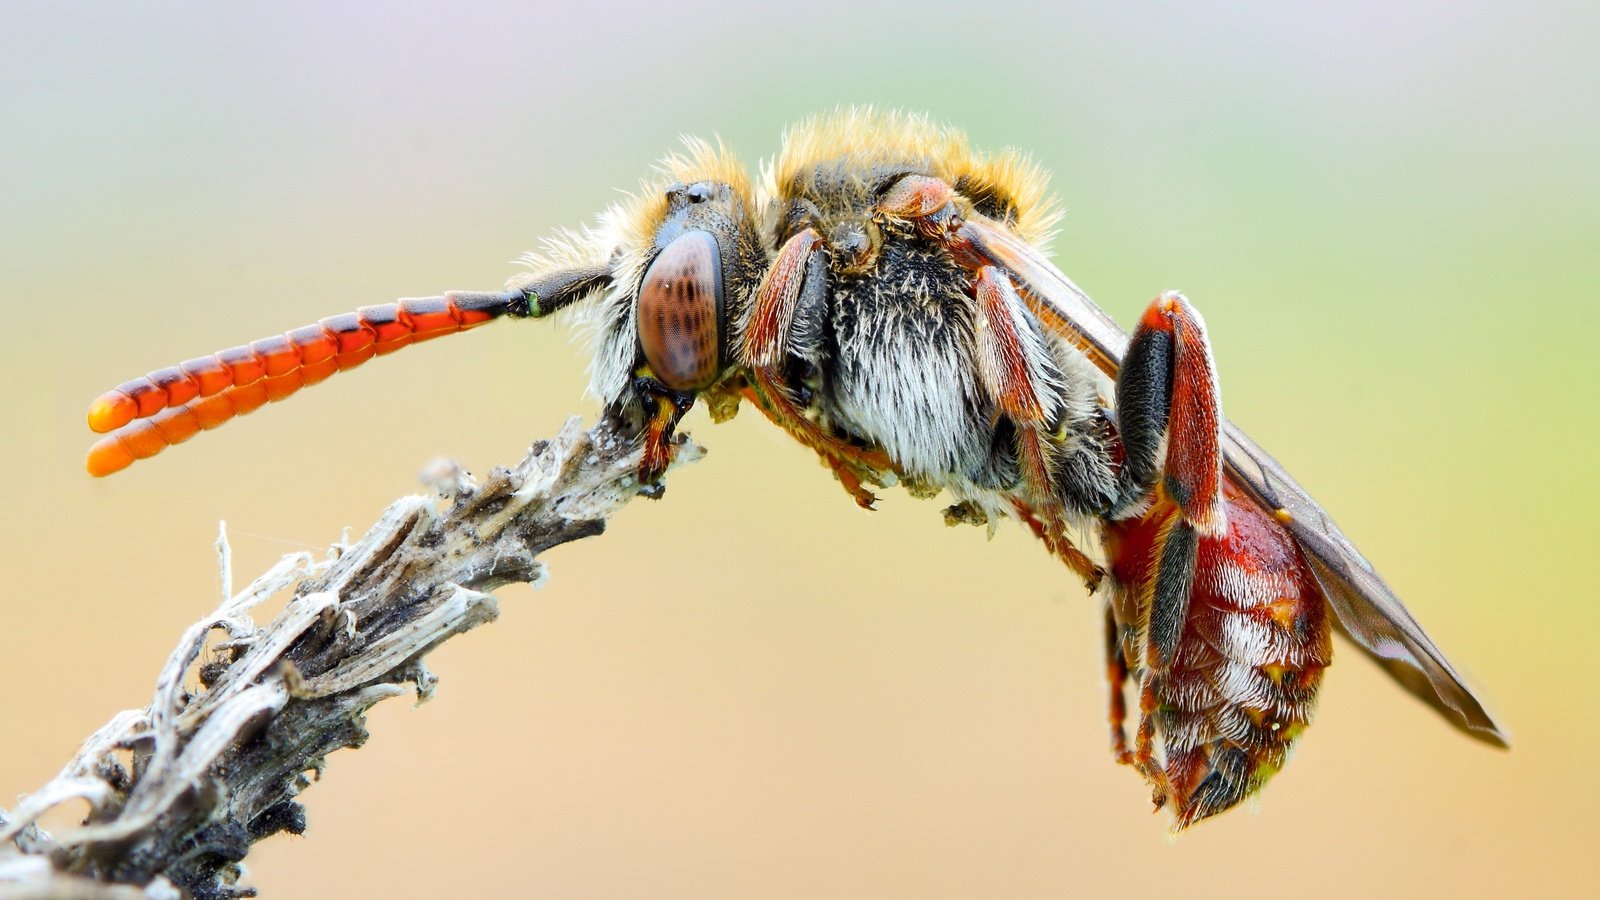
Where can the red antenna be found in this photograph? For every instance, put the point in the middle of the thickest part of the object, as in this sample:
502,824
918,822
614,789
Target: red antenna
169,406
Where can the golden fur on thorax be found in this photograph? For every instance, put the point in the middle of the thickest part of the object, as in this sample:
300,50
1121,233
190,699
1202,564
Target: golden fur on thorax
868,137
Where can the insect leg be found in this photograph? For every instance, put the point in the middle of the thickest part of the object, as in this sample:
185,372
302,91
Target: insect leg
784,327
1016,370
765,341
1117,677
664,408
1144,759
1014,367
1169,411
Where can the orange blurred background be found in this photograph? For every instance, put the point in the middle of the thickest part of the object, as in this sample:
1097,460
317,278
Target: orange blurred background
1387,213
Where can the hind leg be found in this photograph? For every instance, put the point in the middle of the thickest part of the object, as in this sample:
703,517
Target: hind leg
1169,500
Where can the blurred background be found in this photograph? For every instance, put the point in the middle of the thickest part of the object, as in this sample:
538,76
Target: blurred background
1388,213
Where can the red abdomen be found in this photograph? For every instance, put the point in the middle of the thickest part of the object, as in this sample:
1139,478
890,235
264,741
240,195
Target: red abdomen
1254,644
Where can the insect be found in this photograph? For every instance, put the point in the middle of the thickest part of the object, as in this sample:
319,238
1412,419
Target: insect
882,297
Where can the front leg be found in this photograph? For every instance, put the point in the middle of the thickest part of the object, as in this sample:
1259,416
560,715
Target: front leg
785,325
663,408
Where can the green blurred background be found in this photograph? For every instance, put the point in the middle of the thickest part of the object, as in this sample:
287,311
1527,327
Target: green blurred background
1388,213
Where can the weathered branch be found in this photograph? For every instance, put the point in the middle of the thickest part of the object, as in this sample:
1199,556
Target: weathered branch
178,792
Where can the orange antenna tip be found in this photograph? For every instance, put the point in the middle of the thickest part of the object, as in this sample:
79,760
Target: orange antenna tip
107,456
111,411
171,405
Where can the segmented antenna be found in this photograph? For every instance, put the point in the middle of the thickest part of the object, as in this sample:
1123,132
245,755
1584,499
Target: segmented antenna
169,406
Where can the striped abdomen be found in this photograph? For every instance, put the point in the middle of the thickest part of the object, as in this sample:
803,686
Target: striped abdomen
1255,641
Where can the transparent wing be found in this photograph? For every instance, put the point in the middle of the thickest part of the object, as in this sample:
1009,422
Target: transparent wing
1365,608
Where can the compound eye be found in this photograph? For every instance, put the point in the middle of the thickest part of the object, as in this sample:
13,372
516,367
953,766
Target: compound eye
680,313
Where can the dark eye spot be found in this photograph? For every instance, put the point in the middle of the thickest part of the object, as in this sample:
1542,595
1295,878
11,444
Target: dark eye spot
699,193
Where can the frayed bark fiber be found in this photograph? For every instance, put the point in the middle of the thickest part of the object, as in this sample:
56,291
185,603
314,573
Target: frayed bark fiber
178,792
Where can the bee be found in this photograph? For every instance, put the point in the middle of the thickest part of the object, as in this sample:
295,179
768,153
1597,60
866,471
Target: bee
883,296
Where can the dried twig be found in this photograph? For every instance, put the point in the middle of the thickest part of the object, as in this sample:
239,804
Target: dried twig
178,792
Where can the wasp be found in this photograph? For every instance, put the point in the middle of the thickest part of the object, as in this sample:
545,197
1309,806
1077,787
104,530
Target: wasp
883,295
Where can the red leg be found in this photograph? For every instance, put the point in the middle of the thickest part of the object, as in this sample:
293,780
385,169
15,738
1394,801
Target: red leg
1144,759
790,290
1168,400
1016,369
766,337
1012,360
1050,526
1117,678
665,409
